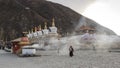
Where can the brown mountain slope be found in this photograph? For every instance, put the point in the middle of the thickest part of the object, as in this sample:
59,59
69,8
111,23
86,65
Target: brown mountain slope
17,16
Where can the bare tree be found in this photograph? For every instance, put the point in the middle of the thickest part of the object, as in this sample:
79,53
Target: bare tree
1,33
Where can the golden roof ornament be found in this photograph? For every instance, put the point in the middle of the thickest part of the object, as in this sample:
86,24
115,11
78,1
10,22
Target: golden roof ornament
39,27
31,30
35,29
24,33
45,25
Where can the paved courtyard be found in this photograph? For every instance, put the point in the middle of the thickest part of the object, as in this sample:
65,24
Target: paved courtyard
51,59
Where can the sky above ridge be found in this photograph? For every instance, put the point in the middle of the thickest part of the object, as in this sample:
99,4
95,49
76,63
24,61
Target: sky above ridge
104,12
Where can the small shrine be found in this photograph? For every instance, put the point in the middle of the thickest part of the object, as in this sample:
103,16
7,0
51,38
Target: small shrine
18,43
87,29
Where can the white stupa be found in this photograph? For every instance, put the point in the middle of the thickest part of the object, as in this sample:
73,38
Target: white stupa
44,36
45,30
40,31
29,35
35,33
53,29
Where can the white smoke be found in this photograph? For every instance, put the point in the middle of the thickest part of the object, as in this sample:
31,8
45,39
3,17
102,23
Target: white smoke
85,41
104,42
107,41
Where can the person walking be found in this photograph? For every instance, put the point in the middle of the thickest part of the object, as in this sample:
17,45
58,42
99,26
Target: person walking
71,50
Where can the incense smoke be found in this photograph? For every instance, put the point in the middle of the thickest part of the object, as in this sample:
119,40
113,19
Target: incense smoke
97,41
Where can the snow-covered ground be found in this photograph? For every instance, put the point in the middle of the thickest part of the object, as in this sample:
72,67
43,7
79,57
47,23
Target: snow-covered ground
51,59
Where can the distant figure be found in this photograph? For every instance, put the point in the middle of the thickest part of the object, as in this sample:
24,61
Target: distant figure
71,50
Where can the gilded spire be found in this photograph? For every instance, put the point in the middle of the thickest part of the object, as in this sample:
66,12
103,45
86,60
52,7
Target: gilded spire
39,27
31,30
53,22
35,29
45,25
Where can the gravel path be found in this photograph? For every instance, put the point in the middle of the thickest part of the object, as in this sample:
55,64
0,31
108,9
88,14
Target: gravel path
50,59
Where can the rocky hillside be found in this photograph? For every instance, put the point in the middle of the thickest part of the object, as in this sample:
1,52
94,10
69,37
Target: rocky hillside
17,16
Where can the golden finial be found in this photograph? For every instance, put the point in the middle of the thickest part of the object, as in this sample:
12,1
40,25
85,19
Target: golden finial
53,22
31,30
39,27
24,32
45,25
35,29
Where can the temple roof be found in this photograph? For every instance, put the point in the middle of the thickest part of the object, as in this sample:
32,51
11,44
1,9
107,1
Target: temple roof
86,28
